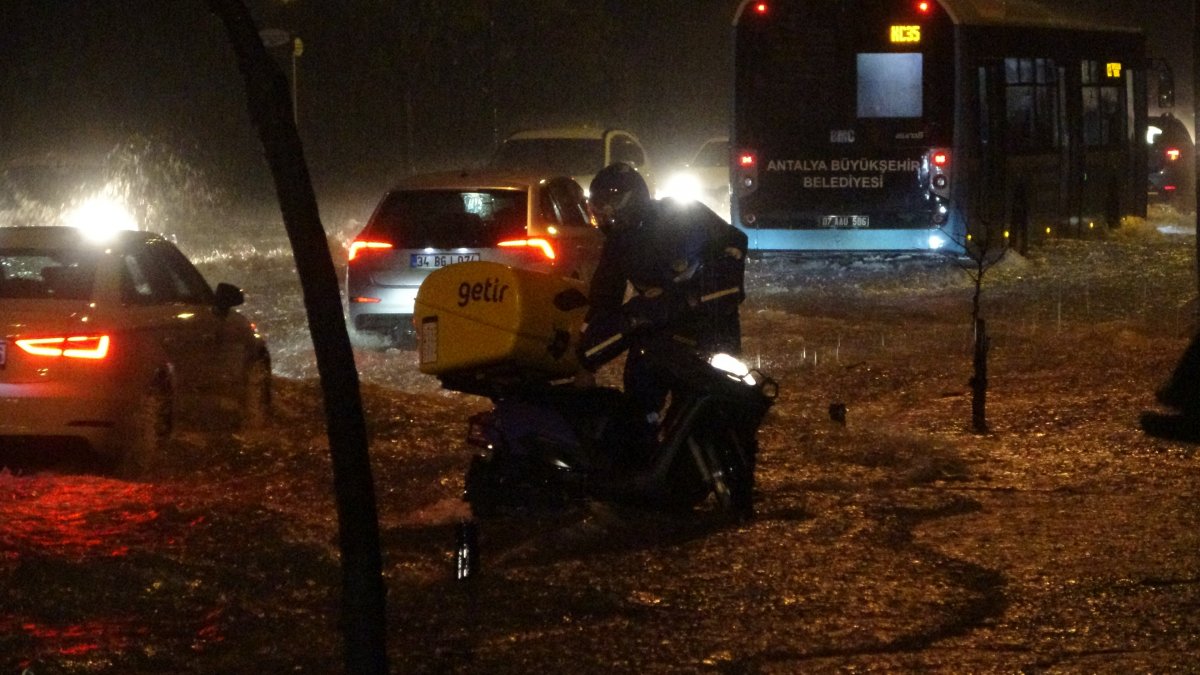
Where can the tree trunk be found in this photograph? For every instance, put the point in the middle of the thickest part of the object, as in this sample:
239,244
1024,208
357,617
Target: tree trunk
1196,132
363,602
979,381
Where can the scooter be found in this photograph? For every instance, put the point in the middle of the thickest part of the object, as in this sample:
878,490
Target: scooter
513,336
548,444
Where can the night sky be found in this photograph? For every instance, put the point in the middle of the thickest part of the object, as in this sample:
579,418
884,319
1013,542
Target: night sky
79,76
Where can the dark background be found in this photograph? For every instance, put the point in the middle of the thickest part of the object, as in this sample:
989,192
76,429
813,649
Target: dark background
387,87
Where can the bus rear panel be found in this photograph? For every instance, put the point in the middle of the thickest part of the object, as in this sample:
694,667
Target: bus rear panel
843,122
952,125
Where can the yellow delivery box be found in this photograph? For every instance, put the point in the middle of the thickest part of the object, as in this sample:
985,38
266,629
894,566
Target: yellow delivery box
481,317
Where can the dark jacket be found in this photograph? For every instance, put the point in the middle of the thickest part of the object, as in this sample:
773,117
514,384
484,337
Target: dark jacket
686,266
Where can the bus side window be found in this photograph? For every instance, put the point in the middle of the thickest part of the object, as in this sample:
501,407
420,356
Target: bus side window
1103,115
1166,85
1032,116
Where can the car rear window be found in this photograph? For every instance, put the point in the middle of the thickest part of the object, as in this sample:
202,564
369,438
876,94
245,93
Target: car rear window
570,156
450,218
27,273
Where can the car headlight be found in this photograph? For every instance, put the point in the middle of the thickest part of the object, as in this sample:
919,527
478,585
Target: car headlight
683,186
100,216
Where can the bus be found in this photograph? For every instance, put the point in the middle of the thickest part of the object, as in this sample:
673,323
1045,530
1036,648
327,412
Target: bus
921,125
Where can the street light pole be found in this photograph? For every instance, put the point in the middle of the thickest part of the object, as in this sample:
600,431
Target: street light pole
277,37
297,50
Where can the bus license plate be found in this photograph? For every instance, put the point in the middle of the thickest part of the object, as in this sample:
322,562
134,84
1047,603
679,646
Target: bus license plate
436,260
846,222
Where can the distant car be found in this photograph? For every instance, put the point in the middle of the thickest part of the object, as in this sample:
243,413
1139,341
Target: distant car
578,152
1172,162
104,344
704,179
433,220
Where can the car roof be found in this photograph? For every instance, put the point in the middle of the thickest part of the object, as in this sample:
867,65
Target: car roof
58,236
472,179
1169,124
583,132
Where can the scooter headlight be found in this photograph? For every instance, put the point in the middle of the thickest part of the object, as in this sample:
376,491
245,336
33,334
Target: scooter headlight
733,367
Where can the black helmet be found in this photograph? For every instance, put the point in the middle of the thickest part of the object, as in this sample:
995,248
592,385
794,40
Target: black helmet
618,195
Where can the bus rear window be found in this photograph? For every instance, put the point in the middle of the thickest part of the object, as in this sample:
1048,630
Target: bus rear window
889,85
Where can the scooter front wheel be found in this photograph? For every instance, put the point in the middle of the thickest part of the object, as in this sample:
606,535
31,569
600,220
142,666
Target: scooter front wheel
724,462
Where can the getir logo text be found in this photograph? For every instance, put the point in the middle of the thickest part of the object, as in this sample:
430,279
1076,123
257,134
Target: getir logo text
481,291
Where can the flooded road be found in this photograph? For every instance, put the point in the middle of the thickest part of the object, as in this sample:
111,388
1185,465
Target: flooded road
1064,540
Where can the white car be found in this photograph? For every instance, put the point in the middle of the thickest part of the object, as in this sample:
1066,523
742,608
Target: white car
432,220
704,179
578,152
104,344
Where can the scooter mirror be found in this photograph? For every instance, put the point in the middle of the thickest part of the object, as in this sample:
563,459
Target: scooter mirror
570,299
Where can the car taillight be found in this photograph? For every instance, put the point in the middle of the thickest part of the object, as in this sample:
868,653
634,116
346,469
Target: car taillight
74,347
537,244
360,245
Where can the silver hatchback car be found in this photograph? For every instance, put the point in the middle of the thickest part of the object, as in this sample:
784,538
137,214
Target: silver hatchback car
105,343
433,220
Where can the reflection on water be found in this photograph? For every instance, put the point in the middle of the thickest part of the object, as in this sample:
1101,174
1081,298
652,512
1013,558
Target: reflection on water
81,518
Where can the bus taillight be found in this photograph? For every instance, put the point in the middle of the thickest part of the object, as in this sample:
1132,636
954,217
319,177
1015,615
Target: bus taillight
937,172
746,163
924,6
1172,154
760,7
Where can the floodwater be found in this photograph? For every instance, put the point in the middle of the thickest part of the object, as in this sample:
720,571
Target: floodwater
1065,539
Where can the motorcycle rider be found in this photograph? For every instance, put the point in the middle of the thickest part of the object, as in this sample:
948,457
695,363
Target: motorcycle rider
669,274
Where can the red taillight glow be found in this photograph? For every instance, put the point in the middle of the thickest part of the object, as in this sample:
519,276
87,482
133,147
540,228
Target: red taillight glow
760,7
746,160
1172,154
359,245
74,347
924,6
941,158
543,245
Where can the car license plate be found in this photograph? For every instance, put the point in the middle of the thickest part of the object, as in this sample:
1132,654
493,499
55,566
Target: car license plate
846,222
436,260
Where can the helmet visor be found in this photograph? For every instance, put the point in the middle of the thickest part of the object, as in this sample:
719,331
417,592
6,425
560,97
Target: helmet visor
606,204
